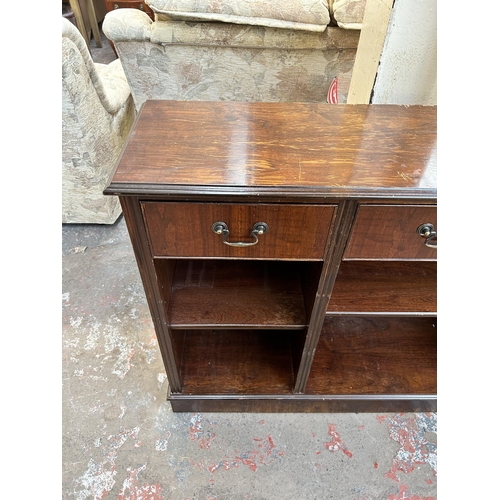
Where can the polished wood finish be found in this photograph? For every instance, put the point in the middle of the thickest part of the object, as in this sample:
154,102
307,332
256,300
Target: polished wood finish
234,294
286,149
303,403
337,240
129,4
375,356
387,288
389,232
237,362
185,230
334,308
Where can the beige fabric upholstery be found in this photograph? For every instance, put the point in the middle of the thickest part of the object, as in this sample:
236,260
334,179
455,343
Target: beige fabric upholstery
97,113
218,61
348,13
309,15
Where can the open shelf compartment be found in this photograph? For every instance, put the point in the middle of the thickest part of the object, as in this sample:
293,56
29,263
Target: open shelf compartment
385,287
375,355
237,361
217,293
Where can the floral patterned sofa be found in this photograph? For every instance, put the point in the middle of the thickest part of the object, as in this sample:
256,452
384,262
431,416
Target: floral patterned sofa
263,50
97,113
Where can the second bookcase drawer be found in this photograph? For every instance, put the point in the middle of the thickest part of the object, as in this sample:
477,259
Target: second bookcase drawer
389,232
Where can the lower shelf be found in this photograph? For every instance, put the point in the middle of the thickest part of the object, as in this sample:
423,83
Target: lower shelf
361,364
375,356
237,362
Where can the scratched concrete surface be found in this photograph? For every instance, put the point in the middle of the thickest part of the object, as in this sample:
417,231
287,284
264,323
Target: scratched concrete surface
122,441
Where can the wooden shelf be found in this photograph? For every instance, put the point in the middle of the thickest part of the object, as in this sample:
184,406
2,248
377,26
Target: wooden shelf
237,362
362,355
399,288
236,294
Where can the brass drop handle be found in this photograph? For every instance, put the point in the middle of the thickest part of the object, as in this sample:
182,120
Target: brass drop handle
427,231
258,229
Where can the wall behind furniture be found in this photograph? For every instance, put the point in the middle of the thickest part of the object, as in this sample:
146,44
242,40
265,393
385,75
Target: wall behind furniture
408,66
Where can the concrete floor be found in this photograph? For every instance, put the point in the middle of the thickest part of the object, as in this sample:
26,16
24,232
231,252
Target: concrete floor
122,441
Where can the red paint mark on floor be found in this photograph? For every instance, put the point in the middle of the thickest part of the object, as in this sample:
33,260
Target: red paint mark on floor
375,465
403,495
265,453
210,497
262,422
415,448
429,481
361,427
222,464
336,442
197,433
133,491
271,442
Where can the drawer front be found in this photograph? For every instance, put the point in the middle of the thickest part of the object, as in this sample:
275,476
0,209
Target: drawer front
185,230
389,232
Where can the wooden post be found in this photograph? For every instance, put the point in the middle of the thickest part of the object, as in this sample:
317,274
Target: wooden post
80,23
93,23
371,42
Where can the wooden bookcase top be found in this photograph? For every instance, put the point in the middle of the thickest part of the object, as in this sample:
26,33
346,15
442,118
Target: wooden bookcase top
294,149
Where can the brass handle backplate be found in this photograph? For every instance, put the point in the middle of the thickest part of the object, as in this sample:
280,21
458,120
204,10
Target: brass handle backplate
427,231
258,229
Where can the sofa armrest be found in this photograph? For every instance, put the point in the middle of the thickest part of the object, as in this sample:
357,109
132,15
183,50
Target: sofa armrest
125,25
115,84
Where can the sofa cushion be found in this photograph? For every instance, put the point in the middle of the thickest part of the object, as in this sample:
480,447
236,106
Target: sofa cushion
309,15
348,13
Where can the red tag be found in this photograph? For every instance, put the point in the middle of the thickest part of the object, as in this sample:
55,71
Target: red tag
332,97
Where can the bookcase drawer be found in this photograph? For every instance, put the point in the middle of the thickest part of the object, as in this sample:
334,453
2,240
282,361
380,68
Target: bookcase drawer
389,232
190,230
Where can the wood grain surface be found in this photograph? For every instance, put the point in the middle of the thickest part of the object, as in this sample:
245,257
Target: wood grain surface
259,147
185,230
236,294
389,232
390,288
375,356
237,362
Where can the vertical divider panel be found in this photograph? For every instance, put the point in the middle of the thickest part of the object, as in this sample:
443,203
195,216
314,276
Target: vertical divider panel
137,232
338,234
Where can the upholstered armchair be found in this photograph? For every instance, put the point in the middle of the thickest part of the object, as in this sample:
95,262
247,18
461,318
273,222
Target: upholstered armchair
97,113
236,50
